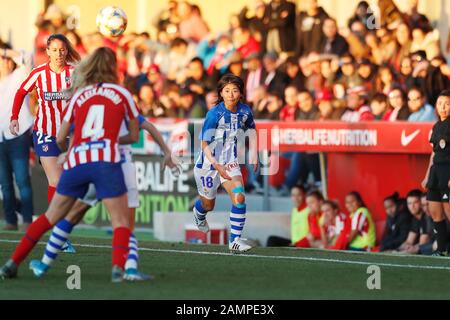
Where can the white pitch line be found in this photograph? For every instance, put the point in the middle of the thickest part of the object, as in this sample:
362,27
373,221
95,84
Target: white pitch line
365,263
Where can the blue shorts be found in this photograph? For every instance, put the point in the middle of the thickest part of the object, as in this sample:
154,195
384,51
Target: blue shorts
45,145
106,176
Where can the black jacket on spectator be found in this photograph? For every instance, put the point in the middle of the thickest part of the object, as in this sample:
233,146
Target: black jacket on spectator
309,32
277,84
312,114
434,83
396,230
298,81
255,25
339,46
285,26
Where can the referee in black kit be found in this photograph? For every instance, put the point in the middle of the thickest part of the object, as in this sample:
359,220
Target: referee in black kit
437,179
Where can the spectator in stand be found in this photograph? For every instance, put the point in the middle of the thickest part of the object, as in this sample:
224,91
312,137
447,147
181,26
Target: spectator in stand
168,16
15,149
312,69
398,223
406,70
333,42
191,106
196,79
403,43
414,18
211,99
156,79
308,110
254,76
274,79
324,102
386,79
309,26
387,46
313,239
256,23
348,77
244,42
367,73
170,98
294,73
357,108
379,105
181,53
417,235
363,14
192,26
398,107
299,220
356,38
150,105
267,105
76,42
336,226
420,110
216,53
280,16
362,236
236,66
290,110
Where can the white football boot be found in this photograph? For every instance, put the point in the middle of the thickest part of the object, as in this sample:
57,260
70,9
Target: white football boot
238,246
202,225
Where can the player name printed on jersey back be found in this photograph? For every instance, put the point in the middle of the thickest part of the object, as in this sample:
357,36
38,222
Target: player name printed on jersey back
50,87
97,113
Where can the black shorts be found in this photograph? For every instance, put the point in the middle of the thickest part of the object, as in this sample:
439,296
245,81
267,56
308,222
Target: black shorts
437,185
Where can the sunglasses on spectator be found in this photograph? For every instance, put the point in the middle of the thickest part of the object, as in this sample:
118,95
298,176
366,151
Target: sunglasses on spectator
415,99
398,96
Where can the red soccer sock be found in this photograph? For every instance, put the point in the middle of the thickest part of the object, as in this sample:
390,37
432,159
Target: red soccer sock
121,238
50,192
32,236
303,243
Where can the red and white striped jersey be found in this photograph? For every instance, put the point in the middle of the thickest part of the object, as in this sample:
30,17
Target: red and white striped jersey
50,87
360,222
97,112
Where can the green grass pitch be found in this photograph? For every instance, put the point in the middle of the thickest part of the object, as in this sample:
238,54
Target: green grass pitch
204,272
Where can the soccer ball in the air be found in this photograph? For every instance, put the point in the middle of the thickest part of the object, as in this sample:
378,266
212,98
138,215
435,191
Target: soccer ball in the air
111,21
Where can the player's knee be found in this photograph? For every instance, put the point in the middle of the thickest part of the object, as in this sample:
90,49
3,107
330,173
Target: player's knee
240,198
239,195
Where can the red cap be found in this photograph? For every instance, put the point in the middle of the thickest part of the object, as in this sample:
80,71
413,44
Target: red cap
324,95
153,68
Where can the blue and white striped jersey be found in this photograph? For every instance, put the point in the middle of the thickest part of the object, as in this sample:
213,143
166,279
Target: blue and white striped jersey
221,129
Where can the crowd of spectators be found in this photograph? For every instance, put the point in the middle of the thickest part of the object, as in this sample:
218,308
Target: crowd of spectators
296,65
319,223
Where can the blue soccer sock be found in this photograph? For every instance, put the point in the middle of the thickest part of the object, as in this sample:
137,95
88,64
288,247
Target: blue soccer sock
237,221
133,256
201,213
60,233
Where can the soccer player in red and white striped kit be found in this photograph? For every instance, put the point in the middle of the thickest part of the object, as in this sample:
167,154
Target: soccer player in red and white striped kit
50,81
97,110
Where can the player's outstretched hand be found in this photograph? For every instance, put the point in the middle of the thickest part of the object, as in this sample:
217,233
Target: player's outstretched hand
172,161
222,171
14,127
